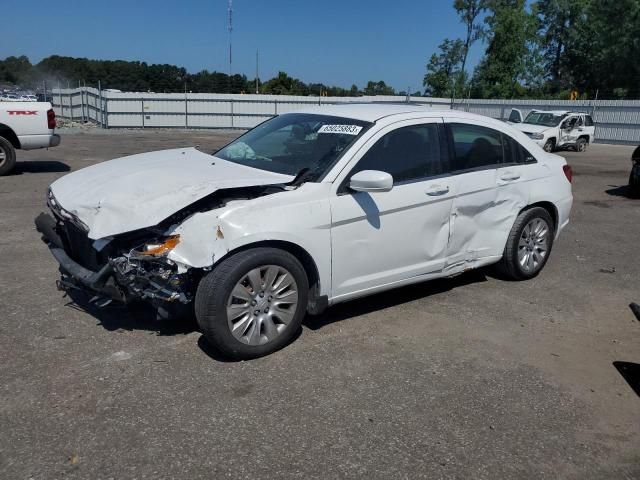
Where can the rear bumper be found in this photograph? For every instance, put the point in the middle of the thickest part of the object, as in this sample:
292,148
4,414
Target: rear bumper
32,142
564,210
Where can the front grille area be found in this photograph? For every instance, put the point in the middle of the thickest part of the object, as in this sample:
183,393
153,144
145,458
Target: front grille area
79,246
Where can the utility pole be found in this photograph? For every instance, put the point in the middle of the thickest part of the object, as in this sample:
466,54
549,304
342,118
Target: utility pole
257,75
230,31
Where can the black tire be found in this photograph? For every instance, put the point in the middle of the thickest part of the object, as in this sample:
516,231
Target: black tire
581,145
214,290
510,267
550,145
634,186
9,161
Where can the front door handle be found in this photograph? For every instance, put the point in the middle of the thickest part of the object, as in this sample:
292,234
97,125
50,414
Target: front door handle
437,190
509,176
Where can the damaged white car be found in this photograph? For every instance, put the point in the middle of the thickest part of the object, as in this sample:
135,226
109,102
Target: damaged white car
307,210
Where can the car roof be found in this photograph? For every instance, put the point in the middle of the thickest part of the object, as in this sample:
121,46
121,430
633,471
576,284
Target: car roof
560,112
372,112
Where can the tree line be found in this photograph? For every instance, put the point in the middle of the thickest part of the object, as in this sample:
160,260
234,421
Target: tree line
143,77
541,49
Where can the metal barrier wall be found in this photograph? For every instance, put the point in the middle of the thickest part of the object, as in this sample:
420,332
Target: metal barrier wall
617,121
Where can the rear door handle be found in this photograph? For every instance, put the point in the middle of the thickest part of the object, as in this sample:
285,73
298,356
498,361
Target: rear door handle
509,176
437,190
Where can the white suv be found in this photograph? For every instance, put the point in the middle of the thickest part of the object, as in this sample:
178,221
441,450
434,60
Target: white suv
307,210
556,129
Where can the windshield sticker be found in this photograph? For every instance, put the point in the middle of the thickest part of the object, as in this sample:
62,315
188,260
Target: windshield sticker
344,129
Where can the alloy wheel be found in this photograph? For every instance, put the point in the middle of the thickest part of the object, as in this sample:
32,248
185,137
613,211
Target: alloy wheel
533,245
262,304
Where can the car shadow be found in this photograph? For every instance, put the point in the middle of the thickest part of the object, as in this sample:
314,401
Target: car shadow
40,166
391,298
214,354
631,373
117,317
369,207
621,191
139,316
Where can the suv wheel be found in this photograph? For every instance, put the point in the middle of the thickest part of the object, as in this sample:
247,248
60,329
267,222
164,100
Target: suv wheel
528,245
7,156
253,302
581,145
550,145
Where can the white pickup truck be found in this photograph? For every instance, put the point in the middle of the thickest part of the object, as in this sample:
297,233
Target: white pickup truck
555,129
25,126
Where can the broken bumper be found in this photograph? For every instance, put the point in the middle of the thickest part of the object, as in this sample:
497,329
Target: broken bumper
112,280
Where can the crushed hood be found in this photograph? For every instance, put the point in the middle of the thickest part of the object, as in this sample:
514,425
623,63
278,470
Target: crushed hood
141,190
530,128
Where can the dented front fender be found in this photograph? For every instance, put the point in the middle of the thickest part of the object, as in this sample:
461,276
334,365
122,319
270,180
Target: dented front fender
301,217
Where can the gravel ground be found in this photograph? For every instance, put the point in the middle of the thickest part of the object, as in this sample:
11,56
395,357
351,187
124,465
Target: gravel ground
470,377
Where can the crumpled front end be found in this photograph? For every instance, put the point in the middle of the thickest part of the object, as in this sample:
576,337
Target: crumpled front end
129,267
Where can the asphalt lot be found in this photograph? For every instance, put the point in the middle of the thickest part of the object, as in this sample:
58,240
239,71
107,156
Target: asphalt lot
471,377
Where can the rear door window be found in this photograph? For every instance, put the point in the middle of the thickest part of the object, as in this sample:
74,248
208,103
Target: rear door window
588,121
514,153
475,147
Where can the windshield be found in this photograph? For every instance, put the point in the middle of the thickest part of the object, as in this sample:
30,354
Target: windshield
290,143
544,119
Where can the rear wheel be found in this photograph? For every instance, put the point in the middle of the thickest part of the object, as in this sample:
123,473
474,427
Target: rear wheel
252,303
528,245
7,156
581,145
550,145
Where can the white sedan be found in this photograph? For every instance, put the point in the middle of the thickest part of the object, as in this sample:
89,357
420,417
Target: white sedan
306,210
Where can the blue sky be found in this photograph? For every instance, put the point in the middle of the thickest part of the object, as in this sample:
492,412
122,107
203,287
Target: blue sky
331,41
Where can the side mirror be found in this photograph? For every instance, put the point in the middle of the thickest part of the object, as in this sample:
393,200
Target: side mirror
371,181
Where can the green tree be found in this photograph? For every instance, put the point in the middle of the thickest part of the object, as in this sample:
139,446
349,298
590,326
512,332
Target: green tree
14,69
283,84
603,49
378,88
510,28
444,68
469,12
556,21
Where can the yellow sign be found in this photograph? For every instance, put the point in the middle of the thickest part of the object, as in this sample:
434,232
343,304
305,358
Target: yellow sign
574,94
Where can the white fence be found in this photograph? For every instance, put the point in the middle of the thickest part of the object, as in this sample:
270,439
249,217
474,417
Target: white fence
617,121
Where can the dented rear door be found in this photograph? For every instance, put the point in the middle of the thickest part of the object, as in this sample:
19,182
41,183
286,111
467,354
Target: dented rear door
520,170
476,154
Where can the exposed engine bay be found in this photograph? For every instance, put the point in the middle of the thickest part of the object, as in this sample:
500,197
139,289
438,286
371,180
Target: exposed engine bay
131,265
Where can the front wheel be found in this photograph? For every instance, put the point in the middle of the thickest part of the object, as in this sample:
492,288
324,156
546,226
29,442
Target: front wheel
528,245
253,302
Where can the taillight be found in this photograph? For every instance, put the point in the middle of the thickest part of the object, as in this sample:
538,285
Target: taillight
568,172
51,119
